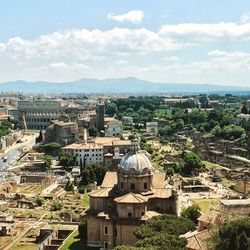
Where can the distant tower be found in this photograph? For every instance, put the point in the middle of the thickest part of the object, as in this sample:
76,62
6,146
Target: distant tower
100,115
248,143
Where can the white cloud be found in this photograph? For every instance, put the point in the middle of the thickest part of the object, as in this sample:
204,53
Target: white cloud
83,44
245,18
65,55
133,16
206,32
121,62
86,45
170,59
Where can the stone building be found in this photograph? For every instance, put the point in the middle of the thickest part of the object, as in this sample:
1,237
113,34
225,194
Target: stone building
37,114
107,150
62,132
125,200
248,105
86,153
238,207
100,115
113,128
152,128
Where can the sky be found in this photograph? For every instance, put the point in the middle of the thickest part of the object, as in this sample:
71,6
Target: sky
169,41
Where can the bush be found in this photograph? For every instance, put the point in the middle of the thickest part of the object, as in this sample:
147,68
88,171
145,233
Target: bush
82,228
56,205
81,189
192,213
39,201
233,235
52,148
170,224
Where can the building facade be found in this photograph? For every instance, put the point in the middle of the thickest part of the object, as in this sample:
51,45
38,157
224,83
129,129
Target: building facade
37,114
113,128
152,128
126,199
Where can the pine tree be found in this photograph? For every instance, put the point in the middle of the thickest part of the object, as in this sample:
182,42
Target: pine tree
243,245
233,242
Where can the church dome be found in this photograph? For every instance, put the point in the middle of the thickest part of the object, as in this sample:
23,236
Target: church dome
136,162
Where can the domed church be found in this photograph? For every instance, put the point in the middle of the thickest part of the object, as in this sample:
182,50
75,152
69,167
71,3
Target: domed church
126,199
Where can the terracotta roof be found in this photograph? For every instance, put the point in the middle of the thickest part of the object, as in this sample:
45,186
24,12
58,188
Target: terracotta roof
162,193
149,215
197,240
110,179
83,146
131,198
158,180
210,216
103,192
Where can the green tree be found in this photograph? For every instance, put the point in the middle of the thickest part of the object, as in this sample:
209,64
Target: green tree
69,187
40,137
192,163
111,109
39,201
67,160
193,213
56,205
82,228
52,148
243,242
169,224
47,161
92,130
233,235
244,110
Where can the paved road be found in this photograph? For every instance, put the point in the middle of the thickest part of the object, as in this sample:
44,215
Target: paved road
13,153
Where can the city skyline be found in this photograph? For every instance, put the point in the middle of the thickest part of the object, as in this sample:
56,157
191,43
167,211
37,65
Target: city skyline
173,42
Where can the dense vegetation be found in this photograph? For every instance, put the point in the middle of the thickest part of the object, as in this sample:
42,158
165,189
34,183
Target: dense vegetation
67,160
233,235
144,109
91,174
162,232
6,126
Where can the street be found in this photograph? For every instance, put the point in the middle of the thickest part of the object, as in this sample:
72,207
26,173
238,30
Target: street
12,154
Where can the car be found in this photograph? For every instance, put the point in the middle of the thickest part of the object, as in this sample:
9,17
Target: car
5,158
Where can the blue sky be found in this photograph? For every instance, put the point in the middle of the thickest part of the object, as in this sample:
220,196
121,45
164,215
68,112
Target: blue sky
177,41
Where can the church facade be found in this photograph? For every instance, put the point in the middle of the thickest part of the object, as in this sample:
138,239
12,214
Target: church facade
125,200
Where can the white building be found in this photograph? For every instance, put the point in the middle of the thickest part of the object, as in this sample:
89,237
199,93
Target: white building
152,128
127,120
85,153
113,128
248,105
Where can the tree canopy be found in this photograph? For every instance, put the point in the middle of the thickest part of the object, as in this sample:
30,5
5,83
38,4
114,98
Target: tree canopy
233,235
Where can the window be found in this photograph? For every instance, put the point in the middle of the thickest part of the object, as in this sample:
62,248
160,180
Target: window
129,215
105,230
121,185
132,186
145,185
105,245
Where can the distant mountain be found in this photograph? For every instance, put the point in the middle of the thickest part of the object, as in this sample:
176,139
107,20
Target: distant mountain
128,85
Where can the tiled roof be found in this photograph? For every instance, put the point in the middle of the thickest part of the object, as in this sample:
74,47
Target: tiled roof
210,216
131,198
110,179
197,240
103,192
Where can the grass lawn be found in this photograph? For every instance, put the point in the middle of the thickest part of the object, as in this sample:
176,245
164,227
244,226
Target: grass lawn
85,200
24,247
207,204
74,243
